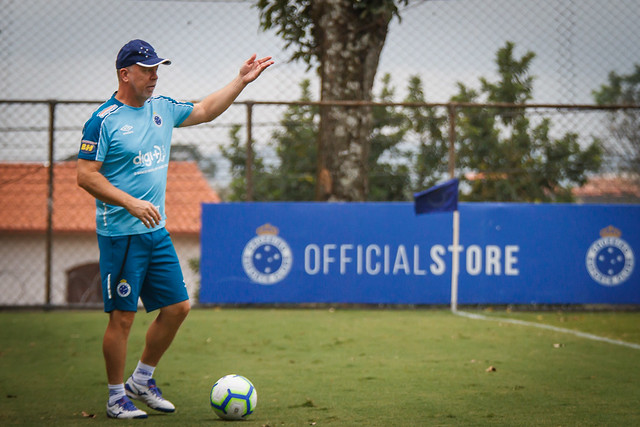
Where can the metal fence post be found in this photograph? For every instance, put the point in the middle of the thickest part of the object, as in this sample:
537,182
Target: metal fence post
49,231
452,139
249,159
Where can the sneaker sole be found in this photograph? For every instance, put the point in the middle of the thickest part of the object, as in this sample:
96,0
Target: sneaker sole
115,416
127,418
134,396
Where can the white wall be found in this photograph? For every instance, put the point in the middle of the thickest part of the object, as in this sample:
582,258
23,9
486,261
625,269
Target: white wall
23,265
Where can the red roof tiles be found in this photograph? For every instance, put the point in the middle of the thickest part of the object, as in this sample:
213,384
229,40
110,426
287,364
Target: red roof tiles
609,185
24,194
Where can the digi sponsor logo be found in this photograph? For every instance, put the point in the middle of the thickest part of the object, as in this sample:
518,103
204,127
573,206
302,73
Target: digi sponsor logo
156,156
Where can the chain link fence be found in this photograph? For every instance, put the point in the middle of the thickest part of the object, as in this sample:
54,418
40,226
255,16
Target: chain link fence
58,64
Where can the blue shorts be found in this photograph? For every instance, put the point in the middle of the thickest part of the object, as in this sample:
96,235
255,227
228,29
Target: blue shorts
140,265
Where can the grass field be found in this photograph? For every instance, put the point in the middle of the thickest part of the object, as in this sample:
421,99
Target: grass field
336,367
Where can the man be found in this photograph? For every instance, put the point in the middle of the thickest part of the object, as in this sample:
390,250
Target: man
123,162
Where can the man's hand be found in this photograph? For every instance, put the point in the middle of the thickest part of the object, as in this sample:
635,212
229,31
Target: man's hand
144,211
216,103
90,178
252,68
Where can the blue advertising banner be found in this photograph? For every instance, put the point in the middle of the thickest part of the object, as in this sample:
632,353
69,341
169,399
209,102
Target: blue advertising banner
383,253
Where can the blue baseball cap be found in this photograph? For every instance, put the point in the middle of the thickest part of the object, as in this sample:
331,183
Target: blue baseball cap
138,52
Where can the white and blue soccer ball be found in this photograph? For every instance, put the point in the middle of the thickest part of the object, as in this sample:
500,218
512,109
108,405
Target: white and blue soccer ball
233,397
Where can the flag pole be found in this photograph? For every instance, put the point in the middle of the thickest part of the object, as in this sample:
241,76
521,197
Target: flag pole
455,261
444,198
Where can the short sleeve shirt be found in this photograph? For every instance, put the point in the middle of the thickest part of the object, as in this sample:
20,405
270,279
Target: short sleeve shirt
133,145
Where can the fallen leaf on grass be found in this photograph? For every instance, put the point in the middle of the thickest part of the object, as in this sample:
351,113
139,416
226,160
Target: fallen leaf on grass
87,415
490,369
557,345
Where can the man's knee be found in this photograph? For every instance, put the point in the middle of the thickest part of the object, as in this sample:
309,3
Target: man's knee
177,311
121,320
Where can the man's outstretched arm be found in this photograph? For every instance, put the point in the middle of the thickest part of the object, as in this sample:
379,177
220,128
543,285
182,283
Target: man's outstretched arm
216,103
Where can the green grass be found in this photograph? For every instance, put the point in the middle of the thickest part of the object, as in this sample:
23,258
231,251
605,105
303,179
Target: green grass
336,367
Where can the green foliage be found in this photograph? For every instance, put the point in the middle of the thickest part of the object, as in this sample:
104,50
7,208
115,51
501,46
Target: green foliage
236,153
509,156
295,176
389,180
295,22
621,89
623,147
426,129
506,154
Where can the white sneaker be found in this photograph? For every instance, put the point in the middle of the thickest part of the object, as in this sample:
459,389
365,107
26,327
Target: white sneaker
124,408
149,394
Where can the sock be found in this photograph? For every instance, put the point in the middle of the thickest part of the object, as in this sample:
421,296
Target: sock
116,392
143,373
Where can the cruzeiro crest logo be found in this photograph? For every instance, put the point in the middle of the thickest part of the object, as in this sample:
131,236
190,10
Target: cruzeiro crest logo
610,259
123,288
267,258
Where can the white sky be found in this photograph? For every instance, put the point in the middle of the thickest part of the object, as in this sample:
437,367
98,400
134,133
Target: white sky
65,49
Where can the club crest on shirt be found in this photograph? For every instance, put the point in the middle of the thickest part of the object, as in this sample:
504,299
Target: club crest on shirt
610,260
157,119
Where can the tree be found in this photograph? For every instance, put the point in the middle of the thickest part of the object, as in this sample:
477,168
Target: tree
624,148
343,38
426,129
507,157
295,176
389,176
237,156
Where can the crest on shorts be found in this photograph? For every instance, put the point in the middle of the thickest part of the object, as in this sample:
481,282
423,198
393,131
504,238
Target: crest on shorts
123,288
267,258
610,260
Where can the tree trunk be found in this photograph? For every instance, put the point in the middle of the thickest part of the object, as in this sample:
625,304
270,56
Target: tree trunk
349,42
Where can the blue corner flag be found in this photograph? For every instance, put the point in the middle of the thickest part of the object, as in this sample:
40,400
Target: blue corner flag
439,198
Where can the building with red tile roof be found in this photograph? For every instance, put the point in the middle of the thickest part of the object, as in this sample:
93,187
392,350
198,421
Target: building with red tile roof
609,188
24,194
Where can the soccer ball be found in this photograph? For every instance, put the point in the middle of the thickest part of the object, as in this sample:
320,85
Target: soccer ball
233,397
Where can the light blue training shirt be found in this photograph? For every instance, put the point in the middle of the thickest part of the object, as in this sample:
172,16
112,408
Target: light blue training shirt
133,145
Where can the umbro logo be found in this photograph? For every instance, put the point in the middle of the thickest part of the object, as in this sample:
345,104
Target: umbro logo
127,129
